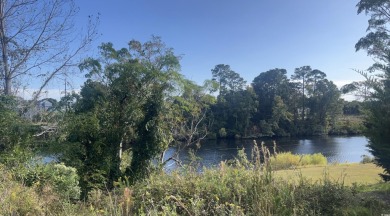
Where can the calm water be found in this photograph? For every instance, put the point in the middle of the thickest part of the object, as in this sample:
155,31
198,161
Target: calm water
336,148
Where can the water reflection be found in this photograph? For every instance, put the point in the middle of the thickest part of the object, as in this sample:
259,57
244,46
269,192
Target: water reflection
335,148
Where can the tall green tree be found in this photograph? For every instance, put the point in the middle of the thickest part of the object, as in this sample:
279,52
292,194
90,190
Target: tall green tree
324,106
377,40
314,77
301,75
319,101
377,45
281,118
236,104
273,92
122,105
267,86
378,120
228,79
241,107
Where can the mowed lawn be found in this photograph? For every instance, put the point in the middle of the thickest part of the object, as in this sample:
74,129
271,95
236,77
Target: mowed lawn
349,173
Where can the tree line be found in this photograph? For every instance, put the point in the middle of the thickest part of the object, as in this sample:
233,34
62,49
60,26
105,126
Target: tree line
274,105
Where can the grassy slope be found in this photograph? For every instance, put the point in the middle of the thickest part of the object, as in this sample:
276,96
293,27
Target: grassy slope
350,173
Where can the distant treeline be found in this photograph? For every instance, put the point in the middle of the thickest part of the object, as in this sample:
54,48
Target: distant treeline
274,105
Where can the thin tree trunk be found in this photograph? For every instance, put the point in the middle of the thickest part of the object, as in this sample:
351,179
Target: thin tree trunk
4,52
7,84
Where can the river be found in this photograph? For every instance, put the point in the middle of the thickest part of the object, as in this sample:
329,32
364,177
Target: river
337,149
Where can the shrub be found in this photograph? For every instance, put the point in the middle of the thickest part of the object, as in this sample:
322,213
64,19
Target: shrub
222,133
64,180
329,198
287,160
367,159
318,159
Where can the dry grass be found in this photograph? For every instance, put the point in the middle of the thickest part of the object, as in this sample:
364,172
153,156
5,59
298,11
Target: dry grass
349,173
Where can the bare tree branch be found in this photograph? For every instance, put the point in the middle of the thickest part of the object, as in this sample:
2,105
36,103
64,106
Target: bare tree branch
39,39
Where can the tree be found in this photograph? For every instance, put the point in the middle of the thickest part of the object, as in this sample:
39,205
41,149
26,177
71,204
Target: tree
302,75
235,112
352,108
242,105
267,86
14,130
273,91
320,100
235,105
377,120
324,106
377,44
294,104
228,79
313,78
16,137
188,116
281,117
377,40
38,39
122,105
189,110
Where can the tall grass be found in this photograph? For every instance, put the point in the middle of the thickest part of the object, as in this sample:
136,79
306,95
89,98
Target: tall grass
245,187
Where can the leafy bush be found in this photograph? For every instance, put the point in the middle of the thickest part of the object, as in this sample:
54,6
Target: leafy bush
367,159
329,198
222,133
64,180
317,159
287,160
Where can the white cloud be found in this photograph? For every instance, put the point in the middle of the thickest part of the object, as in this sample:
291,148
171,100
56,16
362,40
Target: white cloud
341,83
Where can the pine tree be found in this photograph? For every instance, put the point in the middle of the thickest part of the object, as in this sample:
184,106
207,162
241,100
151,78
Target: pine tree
377,45
378,120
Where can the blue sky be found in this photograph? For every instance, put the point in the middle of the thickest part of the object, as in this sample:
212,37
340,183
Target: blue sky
252,36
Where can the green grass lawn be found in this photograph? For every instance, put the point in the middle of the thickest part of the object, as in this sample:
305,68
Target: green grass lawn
362,174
